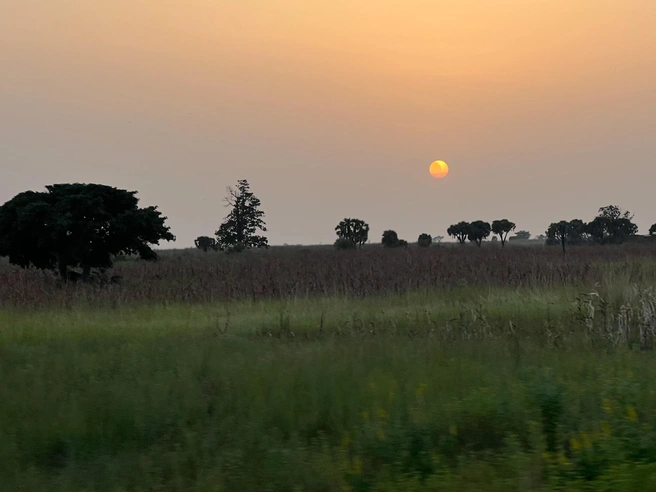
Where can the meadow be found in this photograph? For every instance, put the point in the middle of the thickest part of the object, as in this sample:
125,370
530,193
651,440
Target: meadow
300,369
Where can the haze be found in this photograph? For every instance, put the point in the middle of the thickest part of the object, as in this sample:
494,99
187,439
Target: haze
544,109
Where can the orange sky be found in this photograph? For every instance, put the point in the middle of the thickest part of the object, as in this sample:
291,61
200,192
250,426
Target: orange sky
543,109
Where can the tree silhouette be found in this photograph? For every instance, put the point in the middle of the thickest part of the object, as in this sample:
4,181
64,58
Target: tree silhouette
522,235
502,228
652,230
354,230
206,243
424,240
390,239
78,225
459,231
478,231
557,232
611,225
238,231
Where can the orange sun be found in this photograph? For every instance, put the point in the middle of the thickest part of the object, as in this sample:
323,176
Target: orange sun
439,169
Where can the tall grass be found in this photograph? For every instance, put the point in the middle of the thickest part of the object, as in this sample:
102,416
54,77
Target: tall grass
477,389
198,278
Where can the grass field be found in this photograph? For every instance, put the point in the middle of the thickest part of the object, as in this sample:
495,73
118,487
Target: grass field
541,384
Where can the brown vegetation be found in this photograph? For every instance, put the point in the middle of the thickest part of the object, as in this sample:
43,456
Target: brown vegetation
187,277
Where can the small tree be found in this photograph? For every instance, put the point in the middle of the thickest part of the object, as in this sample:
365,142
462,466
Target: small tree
206,244
403,243
522,235
502,228
424,240
390,239
479,230
354,230
238,231
652,230
459,231
557,232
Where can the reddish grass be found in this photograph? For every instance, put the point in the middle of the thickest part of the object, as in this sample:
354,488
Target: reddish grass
189,277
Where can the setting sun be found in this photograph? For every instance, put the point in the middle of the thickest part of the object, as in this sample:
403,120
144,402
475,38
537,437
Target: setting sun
439,169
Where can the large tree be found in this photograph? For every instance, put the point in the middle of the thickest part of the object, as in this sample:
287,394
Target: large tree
502,228
478,231
78,225
238,231
459,231
611,225
354,230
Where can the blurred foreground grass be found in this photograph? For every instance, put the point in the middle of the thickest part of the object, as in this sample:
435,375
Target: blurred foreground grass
471,389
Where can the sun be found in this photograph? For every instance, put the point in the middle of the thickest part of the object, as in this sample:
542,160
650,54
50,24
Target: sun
439,169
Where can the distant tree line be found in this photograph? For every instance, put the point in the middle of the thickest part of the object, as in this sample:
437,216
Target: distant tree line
612,225
86,226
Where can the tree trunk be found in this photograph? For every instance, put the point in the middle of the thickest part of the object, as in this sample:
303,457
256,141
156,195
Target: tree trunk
62,267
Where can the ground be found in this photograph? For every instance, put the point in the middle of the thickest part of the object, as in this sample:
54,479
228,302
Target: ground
540,383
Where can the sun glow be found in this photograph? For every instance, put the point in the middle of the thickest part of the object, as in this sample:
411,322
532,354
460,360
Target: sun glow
439,169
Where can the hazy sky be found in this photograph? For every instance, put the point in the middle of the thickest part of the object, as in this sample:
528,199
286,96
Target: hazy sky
544,109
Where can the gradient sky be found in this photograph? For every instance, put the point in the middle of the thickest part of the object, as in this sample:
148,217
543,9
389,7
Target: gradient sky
544,109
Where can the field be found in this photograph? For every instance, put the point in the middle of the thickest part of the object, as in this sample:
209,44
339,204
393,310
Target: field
440,369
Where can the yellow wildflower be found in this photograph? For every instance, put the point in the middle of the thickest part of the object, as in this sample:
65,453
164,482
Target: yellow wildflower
453,430
607,406
346,440
357,466
631,413
382,414
575,444
585,440
605,428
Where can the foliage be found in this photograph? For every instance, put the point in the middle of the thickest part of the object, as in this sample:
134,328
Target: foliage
612,225
424,240
478,231
502,228
206,244
343,243
459,231
402,243
390,239
78,225
522,235
557,233
354,230
652,230
238,231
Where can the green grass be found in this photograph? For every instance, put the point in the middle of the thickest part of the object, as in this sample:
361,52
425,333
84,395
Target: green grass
471,389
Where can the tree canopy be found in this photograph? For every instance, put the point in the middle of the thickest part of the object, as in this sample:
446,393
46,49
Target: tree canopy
478,231
390,239
557,232
354,230
502,228
78,225
459,231
652,230
611,225
424,240
238,231
205,243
